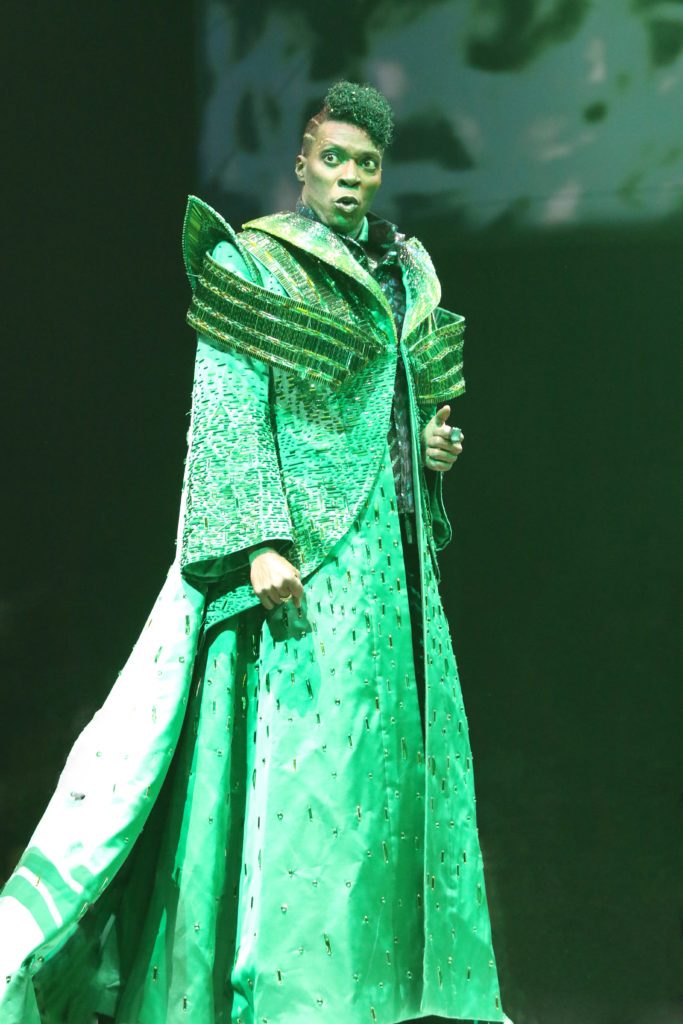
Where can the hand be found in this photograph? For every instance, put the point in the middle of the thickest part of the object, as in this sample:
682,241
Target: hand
438,451
275,580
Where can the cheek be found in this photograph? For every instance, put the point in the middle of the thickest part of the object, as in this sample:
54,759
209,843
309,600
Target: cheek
320,181
371,189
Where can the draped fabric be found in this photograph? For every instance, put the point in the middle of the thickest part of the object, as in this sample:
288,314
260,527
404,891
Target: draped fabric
254,827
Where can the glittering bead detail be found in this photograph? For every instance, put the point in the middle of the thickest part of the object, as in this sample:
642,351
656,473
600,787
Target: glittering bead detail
321,242
305,276
203,228
437,371
275,328
283,266
437,361
324,425
235,496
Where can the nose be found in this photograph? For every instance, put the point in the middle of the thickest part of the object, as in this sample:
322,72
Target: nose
348,174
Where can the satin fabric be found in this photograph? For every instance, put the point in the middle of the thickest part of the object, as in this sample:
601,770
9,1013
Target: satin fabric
252,828
355,889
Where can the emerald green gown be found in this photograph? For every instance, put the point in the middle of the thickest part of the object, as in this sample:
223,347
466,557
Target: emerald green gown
253,828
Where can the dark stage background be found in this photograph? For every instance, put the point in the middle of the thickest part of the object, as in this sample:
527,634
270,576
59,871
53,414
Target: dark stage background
538,155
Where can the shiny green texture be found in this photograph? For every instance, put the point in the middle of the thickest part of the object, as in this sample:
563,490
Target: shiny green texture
54,945
436,359
358,893
330,441
280,330
251,829
204,228
297,334
432,335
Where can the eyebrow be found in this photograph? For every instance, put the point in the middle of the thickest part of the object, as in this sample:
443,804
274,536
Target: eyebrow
362,154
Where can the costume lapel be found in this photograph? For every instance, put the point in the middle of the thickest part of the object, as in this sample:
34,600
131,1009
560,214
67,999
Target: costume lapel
323,243
423,290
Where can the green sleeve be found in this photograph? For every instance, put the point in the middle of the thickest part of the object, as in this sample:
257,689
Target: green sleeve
235,498
229,257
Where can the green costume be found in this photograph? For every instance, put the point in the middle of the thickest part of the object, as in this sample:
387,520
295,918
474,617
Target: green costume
305,853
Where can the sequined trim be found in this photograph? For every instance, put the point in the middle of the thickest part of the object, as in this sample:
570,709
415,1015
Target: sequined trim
423,290
282,265
438,371
329,452
203,228
276,329
438,375
437,362
305,277
326,246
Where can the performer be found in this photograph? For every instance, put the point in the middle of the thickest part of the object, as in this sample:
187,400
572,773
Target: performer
273,814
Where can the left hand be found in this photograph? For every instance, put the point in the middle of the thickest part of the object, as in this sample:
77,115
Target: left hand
275,580
438,451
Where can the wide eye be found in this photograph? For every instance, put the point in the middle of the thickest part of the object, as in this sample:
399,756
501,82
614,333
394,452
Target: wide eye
330,157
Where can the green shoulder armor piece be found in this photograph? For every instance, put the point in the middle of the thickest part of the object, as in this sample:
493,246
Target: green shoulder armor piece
436,357
276,329
203,229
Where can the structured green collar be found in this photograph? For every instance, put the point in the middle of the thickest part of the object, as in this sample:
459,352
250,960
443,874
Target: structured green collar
321,242
422,285
204,227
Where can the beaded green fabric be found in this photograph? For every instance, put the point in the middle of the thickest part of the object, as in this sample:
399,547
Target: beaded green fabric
292,842
278,393
277,329
234,495
203,228
436,358
324,332
330,255
433,336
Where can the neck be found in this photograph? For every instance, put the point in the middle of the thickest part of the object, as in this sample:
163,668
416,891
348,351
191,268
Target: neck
309,211
356,232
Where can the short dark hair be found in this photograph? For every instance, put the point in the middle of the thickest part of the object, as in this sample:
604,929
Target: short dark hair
356,104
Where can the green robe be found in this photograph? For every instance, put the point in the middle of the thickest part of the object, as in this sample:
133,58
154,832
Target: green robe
304,854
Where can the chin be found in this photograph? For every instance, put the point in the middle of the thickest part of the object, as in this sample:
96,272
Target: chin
344,225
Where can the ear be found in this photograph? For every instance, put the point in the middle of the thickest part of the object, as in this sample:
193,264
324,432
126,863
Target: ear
300,166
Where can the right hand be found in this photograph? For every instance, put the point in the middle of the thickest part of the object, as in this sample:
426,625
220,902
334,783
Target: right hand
275,580
439,451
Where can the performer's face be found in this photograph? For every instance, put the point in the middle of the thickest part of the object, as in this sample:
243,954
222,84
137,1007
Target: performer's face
340,173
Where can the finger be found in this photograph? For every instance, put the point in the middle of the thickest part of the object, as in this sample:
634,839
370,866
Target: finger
266,602
439,463
440,455
443,414
442,444
445,444
296,589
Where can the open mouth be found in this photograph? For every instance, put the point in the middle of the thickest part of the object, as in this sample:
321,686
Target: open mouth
347,203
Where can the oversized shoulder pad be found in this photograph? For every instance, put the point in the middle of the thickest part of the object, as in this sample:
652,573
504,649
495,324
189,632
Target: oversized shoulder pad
276,329
203,229
436,356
